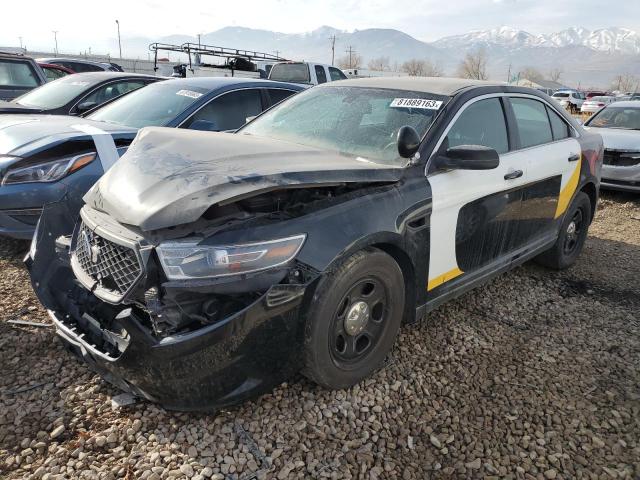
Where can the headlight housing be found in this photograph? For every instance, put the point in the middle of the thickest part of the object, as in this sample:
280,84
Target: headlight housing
184,260
47,171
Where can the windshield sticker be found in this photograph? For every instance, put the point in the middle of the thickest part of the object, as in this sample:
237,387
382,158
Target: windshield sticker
189,93
416,103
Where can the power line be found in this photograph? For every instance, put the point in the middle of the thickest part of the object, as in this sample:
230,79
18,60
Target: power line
351,53
333,48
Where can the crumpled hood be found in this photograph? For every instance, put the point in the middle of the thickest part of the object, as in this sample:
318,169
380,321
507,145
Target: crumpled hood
23,135
171,176
618,138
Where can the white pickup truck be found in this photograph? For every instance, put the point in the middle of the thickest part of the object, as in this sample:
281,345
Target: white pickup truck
305,72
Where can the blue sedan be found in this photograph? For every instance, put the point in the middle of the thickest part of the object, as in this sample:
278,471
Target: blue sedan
46,159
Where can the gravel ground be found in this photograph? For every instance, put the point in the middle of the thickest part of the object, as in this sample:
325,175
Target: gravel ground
536,375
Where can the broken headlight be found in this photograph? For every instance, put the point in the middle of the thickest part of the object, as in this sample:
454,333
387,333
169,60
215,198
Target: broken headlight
183,260
47,171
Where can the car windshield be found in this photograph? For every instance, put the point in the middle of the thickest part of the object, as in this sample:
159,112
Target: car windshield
358,121
56,93
154,105
627,118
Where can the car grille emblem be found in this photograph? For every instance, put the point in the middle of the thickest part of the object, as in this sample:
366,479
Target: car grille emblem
95,253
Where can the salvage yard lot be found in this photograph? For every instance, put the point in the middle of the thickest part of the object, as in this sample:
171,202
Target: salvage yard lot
536,375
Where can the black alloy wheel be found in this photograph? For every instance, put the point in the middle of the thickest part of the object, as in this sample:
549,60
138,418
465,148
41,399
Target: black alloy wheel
572,235
358,322
353,319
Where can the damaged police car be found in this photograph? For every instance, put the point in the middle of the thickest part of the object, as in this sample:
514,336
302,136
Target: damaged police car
208,267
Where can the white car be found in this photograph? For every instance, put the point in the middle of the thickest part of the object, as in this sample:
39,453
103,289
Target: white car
619,126
305,72
571,100
594,104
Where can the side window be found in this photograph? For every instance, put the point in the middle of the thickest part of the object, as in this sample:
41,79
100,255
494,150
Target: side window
17,74
532,120
320,75
481,123
278,94
336,74
229,111
53,74
559,128
83,67
112,90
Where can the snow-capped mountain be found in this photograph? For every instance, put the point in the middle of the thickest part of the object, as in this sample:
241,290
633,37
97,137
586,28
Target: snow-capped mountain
612,39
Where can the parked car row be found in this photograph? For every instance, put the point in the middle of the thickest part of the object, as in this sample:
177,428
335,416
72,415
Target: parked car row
46,158
20,73
201,264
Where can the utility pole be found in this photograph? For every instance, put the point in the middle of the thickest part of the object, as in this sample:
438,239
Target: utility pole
199,39
351,52
20,42
55,38
119,43
509,74
333,48
277,52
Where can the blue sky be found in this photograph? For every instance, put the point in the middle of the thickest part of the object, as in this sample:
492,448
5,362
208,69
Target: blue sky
82,23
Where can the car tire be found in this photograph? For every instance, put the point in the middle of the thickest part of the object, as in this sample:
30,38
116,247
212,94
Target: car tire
354,319
572,236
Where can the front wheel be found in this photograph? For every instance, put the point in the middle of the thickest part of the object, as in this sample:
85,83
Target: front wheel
572,236
354,319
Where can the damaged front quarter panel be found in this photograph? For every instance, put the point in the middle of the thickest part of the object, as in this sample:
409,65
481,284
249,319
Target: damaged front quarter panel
200,344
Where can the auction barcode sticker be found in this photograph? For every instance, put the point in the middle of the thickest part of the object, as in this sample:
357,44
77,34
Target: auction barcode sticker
416,103
189,93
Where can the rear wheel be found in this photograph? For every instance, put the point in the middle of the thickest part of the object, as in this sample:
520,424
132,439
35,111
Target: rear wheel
354,319
573,234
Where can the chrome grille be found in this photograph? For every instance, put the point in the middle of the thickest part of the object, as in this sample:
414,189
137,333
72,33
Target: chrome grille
114,267
621,159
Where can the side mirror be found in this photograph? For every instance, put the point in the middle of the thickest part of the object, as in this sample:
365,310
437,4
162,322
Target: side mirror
469,157
204,125
408,141
86,106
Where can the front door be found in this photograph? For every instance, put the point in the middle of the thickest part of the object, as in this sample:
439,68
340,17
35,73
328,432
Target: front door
474,211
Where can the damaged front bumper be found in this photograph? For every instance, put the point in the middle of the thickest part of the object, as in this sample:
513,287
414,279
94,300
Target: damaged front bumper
239,355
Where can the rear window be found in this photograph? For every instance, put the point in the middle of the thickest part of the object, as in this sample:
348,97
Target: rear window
561,95
17,74
290,72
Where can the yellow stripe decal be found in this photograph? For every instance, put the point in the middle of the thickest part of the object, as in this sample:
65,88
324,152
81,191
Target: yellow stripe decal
445,277
569,189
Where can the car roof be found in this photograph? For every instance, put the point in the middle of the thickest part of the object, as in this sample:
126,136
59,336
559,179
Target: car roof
212,83
69,59
623,103
96,77
436,85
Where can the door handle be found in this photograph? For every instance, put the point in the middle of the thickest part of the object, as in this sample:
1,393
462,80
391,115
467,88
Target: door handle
513,175
574,158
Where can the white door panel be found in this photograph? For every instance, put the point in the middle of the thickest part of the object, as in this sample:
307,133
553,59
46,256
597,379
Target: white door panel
451,191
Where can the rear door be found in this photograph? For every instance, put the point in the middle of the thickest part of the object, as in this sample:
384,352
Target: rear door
553,166
474,211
